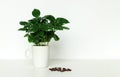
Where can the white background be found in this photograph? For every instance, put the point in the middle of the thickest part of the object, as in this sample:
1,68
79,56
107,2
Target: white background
94,29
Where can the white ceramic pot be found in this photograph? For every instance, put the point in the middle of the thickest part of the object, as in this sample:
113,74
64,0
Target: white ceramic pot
40,56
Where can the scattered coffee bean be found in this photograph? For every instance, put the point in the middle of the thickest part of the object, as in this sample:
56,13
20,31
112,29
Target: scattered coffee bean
56,69
64,69
59,69
69,69
51,69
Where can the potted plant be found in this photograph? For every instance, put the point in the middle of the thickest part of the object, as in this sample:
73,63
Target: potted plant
39,31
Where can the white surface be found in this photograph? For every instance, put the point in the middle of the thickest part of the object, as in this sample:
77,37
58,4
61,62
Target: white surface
94,33
80,68
40,56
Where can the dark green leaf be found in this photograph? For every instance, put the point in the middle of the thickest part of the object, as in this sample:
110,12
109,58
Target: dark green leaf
66,28
23,23
44,21
58,28
36,42
30,39
36,13
49,35
35,20
50,17
26,35
22,29
32,21
61,21
41,34
56,38
45,27
35,28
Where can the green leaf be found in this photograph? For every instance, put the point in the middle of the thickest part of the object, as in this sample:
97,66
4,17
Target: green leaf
66,28
26,35
23,23
22,29
32,21
35,28
41,34
36,13
35,20
45,27
58,28
61,21
50,17
49,35
56,38
30,39
36,42
44,21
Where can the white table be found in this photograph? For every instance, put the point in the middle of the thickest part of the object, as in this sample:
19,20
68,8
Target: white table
80,68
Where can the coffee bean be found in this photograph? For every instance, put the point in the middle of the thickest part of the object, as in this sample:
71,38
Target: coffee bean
51,69
59,69
69,69
55,68
64,69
